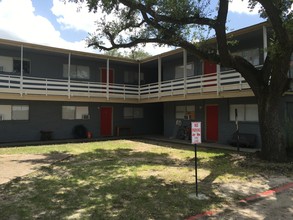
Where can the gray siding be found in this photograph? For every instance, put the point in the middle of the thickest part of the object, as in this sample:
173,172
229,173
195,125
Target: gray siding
226,127
48,116
50,65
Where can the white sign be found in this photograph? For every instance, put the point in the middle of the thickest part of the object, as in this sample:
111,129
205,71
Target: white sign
195,132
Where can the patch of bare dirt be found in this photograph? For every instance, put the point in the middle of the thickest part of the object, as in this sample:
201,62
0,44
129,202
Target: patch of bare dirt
18,165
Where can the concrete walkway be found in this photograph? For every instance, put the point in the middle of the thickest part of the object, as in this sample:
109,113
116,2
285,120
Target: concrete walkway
207,145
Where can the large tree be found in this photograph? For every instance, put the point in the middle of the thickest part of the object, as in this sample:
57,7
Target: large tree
182,23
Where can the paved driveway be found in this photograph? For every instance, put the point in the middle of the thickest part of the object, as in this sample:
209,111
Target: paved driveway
18,165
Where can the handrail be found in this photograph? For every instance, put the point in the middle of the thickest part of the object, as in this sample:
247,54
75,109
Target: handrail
213,82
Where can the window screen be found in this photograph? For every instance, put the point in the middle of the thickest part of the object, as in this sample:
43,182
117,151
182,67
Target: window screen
20,112
245,112
75,112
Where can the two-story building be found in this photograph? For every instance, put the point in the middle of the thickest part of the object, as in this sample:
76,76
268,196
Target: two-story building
52,89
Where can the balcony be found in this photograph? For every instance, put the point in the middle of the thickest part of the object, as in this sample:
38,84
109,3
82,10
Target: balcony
224,84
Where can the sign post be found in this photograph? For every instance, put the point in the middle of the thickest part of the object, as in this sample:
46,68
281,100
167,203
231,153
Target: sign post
195,139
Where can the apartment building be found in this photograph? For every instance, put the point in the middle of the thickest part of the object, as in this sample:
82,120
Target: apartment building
52,90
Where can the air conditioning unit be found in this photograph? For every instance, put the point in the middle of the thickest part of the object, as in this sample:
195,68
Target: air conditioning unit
85,117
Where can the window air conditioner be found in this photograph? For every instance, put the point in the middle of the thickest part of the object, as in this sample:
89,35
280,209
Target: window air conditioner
85,117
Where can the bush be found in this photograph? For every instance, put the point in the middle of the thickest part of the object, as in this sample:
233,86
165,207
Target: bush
79,132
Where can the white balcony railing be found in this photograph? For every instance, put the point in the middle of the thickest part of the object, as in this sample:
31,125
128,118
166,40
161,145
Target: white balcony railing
217,83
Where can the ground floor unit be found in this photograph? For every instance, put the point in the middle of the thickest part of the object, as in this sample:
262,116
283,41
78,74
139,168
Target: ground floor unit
41,120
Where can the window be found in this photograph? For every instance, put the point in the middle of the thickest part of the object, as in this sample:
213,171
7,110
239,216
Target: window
14,112
185,112
252,55
6,64
75,112
17,66
132,77
133,112
5,112
76,72
245,112
20,112
179,70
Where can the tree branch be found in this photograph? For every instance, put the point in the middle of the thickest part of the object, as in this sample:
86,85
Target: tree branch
169,19
274,13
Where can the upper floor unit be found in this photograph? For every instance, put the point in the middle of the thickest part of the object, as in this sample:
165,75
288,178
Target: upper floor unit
36,72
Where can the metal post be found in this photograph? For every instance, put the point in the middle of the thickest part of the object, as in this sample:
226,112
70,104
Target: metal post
195,169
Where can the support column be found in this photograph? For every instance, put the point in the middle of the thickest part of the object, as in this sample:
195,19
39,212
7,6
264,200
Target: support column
21,70
185,71
159,76
265,42
139,80
107,84
218,79
68,73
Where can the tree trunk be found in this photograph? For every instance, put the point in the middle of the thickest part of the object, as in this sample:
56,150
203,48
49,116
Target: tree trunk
271,129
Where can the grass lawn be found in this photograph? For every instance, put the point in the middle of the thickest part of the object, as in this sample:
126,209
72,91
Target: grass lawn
123,179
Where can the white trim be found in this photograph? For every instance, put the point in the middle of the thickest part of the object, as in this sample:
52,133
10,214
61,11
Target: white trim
108,70
69,77
21,70
185,70
159,75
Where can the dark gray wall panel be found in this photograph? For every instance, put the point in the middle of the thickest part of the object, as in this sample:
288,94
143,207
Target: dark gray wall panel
226,127
48,116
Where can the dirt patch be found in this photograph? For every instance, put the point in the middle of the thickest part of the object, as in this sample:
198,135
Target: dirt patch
18,165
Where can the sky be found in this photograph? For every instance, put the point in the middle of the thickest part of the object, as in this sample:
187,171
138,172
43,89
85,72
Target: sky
53,23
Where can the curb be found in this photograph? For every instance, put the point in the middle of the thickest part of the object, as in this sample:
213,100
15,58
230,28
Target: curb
246,201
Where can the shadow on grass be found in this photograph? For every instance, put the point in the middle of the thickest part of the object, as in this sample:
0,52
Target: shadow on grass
106,184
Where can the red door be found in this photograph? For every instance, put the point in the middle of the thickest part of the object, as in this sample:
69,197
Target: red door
212,123
106,121
104,75
209,68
